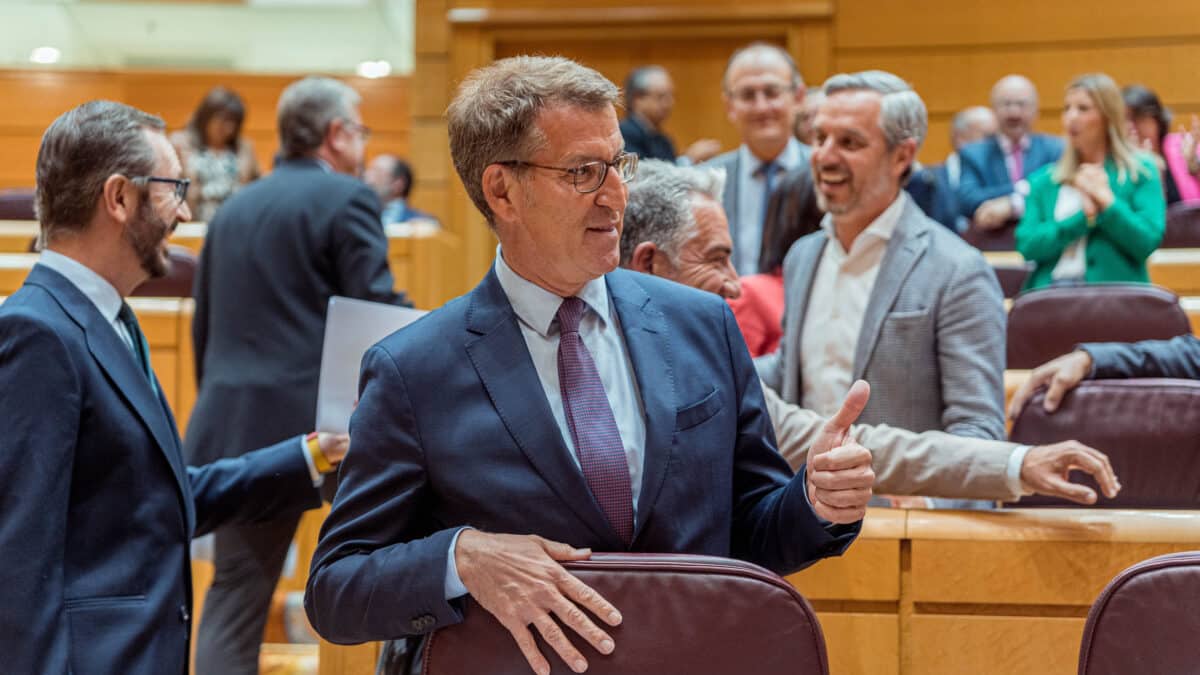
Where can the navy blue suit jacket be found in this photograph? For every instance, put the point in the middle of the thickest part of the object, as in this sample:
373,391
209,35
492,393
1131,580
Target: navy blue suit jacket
99,509
985,175
453,428
1178,357
930,189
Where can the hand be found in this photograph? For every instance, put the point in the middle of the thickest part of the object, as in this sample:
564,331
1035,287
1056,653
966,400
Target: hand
333,446
1190,138
1061,375
839,469
1092,181
1090,210
518,580
1046,471
994,213
702,149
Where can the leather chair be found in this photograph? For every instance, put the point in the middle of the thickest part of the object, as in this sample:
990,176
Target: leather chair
1049,322
1145,621
1012,277
178,282
1001,239
1149,428
17,204
682,615
1183,226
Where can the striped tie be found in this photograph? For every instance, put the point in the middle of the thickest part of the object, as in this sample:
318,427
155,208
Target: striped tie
591,422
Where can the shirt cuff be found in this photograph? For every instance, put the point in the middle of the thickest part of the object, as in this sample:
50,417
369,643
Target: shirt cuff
453,586
317,479
1012,475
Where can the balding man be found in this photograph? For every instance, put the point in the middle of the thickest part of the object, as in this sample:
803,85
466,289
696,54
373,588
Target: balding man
762,90
672,230
993,186
649,99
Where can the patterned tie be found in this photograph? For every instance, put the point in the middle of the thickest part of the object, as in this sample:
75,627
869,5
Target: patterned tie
1017,166
140,349
591,422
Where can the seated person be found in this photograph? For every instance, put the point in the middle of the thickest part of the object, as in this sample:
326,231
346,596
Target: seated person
1099,212
392,179
1149,129
994,171
649,100
674,214
1178,357
935,188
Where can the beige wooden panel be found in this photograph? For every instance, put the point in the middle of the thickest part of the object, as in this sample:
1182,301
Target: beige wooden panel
994,645
15,235
869,570
36,97
875,23
1176,269
165,363
186,398
432,30
18,156
431,86
429,150
14,267
861,644
348,660
1191,305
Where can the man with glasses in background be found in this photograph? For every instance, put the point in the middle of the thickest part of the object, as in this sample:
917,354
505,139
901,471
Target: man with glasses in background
561,407
273,255
762,91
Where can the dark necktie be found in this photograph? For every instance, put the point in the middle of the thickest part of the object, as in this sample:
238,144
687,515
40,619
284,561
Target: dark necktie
591,422
140,348
767,171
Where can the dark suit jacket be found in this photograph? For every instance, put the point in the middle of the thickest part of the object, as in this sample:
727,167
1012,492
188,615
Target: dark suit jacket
99,509
453,429
274,254
647,143
1178,357
930,189
985,175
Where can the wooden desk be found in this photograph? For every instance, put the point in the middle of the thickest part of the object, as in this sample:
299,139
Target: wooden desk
1177,269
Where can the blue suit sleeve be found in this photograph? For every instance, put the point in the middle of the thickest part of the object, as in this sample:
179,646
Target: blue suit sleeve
360,250
973,186
379,570
40,408
1178,357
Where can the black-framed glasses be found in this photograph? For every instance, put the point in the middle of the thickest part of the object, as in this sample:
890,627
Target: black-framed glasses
589,176
362,129
180,184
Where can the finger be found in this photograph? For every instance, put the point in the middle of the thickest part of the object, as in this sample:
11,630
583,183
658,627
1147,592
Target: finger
839,516
560,551
845,499
856,399
589,599
554,636
1059,386
1055,486
848,479
529,650
1096,465
849,456
577,620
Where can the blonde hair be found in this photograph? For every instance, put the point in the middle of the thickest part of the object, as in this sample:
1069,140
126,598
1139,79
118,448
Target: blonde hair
1107,97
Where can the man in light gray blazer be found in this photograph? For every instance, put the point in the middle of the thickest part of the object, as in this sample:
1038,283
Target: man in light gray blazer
883,293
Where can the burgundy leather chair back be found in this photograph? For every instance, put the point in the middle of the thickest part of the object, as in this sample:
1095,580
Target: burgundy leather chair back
682,615
1012,277
1145,620
1000,239
1149,428
1049,322
1183,226
17,204
178,282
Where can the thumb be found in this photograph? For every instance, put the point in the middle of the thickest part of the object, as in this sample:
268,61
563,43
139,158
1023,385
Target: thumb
560,551
838,426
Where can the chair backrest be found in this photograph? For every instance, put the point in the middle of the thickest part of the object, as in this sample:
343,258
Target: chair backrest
1145,620
1012,277
1183,226
17,204
1049,322
682,615
178,282
1000,239
1149,428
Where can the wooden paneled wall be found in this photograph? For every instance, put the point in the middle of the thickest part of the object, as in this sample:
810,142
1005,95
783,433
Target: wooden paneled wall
35,97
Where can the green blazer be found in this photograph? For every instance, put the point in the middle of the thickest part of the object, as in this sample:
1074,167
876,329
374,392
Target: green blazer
1120,239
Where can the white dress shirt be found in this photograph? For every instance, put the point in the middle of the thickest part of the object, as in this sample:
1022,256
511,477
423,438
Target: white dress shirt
751,205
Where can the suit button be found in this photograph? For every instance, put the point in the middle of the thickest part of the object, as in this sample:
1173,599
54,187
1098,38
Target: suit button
184,614
423,623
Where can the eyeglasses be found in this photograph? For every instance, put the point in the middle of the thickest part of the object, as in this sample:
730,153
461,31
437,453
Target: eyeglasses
589,176
362,129
770,92
181,184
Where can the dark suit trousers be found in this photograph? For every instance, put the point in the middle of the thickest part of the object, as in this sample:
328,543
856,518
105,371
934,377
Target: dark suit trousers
248,561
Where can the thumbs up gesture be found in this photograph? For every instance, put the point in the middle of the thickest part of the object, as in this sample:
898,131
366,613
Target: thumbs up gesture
839,474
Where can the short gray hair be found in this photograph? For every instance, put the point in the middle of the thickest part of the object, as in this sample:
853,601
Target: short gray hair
659,209
493,117
902,113
306,109
79,151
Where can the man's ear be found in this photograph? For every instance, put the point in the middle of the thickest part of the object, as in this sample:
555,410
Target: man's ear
643,257
118,198
906,154
727,99
334,138
500,189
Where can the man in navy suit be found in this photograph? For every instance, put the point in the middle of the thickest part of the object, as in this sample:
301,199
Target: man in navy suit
560,407
993,187
97,519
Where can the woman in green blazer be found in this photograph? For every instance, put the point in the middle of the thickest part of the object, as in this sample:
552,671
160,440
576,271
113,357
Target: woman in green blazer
1099,212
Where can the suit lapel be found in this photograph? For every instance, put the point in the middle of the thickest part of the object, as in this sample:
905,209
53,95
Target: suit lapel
803,270
905,248
501,359
646,339
999,167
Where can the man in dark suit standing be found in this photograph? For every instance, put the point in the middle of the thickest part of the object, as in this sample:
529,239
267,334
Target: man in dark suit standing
96,519
274,254
649,98
993,187
561,406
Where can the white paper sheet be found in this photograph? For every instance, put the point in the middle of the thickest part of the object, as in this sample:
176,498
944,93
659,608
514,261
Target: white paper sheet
351,328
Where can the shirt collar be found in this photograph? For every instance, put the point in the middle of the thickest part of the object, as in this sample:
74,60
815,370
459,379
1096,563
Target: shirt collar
536,307
95,287
882,228
1007,145
787,160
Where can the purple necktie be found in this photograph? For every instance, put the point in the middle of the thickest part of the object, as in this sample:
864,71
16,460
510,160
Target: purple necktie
591,422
